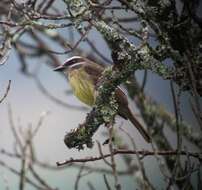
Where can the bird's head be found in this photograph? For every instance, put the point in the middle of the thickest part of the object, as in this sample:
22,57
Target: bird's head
70,63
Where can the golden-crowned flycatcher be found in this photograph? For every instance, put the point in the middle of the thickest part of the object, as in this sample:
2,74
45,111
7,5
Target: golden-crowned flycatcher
83,75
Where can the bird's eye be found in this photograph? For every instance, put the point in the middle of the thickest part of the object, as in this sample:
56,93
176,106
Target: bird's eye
72,62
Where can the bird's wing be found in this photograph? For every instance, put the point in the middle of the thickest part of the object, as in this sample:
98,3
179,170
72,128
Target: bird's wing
122,102
94,71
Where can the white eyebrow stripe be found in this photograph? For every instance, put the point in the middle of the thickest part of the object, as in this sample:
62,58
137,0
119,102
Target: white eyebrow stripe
74,57
76,64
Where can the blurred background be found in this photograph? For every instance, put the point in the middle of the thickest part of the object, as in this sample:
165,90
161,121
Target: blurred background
38,94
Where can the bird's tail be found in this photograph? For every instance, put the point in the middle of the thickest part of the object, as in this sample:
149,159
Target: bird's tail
138,126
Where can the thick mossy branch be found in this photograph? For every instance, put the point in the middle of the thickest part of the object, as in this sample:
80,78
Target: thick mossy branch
128,59
103,112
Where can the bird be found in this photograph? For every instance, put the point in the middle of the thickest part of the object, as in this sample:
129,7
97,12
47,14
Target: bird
84,75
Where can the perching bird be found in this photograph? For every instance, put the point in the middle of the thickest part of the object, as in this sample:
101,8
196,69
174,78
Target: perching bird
83,75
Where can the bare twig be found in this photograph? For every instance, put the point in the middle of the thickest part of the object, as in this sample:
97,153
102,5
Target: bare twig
140,152
13,129
113,163
106,182
102,155
14,171
76,186
39,179
6,93
23,169
47,166
144,180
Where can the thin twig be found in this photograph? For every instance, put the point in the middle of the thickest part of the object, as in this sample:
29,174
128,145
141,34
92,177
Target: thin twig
113,163
145,183
13,129
6,93
76,186
39,179
144,153
14,171
106,182
102,155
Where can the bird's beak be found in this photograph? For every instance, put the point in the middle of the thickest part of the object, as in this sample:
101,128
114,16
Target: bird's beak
59,68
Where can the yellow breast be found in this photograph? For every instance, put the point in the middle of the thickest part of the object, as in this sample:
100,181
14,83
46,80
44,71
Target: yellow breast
82,86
